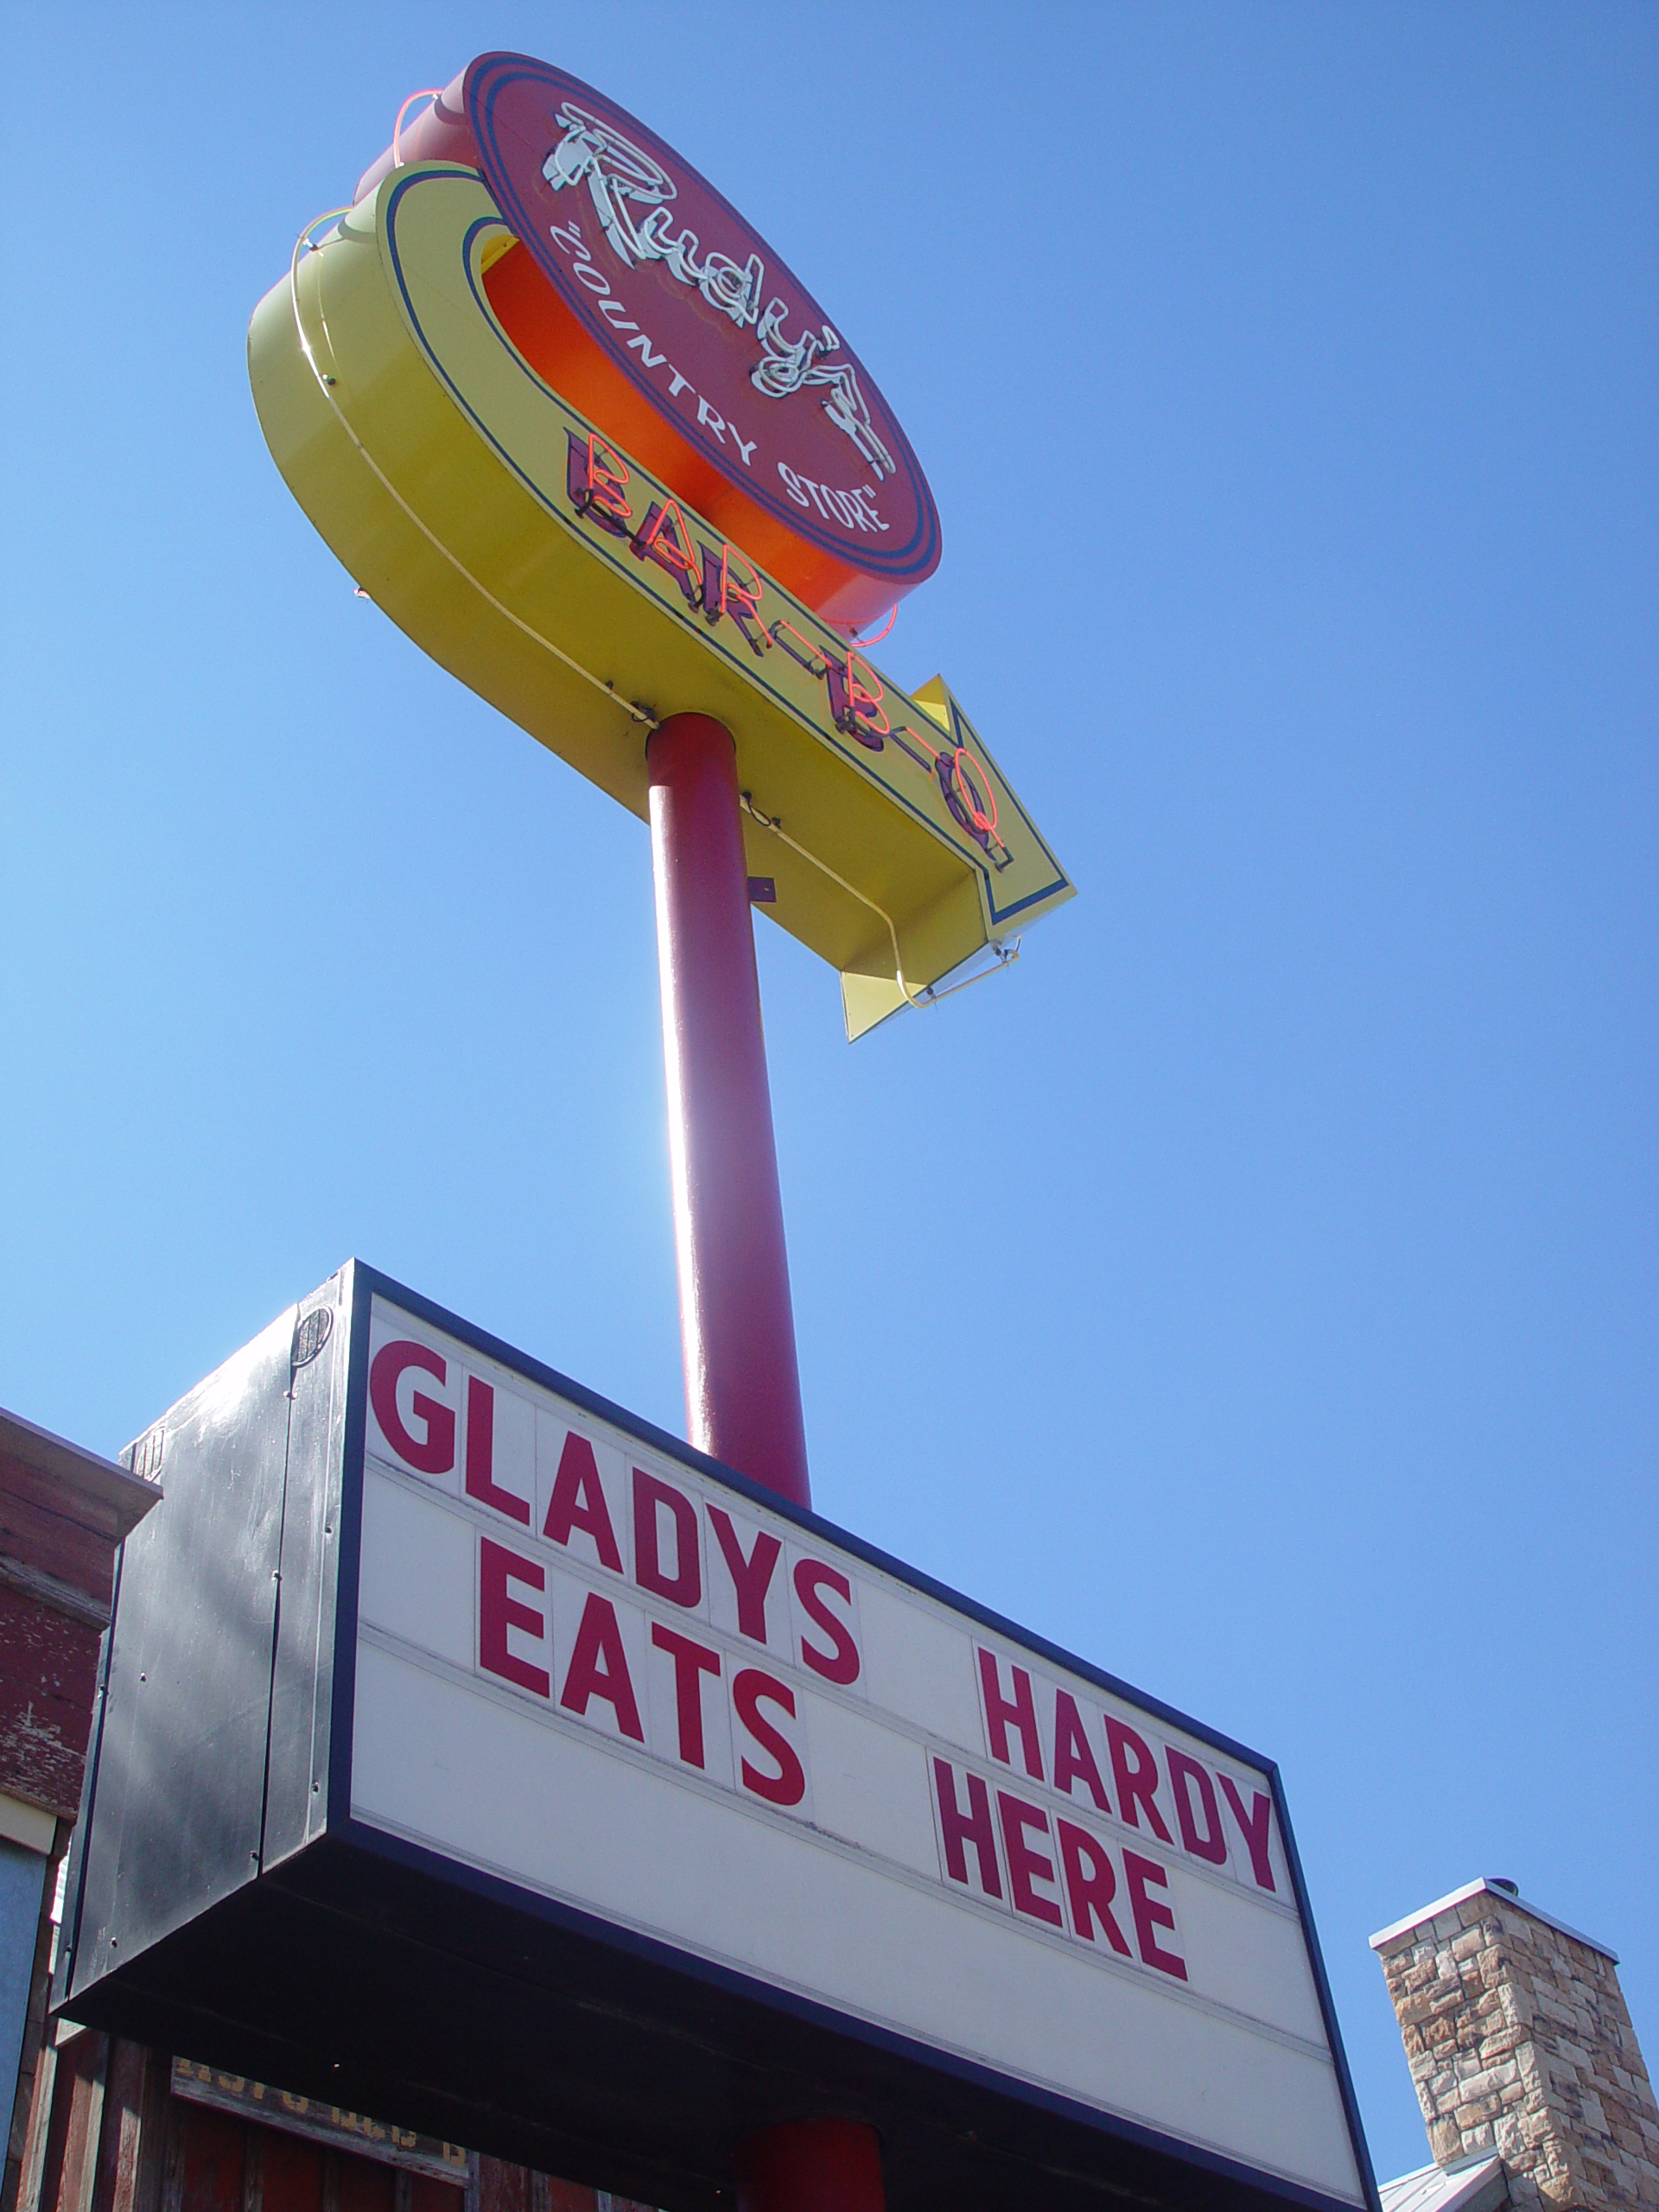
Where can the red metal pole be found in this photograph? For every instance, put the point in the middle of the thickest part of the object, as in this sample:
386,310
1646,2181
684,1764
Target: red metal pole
737,1325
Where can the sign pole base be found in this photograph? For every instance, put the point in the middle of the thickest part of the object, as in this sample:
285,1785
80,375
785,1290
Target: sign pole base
811,2165
737,1323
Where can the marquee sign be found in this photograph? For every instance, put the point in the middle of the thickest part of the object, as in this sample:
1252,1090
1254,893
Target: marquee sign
577,429
785,1817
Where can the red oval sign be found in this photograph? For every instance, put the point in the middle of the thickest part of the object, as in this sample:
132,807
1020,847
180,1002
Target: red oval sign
645,298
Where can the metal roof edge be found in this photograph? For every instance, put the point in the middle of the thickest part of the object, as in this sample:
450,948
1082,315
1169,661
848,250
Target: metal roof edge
1478,2184
1488,1885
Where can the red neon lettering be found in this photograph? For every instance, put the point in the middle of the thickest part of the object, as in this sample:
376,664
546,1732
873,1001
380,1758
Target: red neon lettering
725,593
498,1613
1074,1758
435,1453
480,1455
861,696
691,1662
812,1577
925,758
957,1828
578,1502
750,1689
945,769
1026,1865
1186,1775
1149,1914
1021,1709
595,486
751,1577
1090,1885
684,1587
981,821
814,663
662,537
1254,1831
599,1667
856,709
1135,1772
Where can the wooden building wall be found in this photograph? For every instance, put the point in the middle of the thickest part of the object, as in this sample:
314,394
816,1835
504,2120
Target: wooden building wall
108,2132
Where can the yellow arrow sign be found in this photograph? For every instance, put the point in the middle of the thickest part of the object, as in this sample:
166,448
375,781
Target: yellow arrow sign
562,582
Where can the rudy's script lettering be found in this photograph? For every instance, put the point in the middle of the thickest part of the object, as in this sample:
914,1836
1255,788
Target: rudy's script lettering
623,180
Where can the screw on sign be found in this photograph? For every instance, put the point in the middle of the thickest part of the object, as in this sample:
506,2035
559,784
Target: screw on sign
570,421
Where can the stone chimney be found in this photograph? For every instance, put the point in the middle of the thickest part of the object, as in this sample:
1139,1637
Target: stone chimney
1520,2043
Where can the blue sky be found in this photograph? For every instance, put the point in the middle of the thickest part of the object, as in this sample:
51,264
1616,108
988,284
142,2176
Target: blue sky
1255,1290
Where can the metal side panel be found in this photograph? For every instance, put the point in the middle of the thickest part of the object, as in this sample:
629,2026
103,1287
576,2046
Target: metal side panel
296,1805
172,1805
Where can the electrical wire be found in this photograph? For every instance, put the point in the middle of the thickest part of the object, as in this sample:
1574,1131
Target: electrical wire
929,994
324,385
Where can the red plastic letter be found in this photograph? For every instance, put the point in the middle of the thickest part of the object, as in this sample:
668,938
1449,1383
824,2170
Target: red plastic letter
1135,1772
691,1662
435,1453
480,1455
1090,1885
1021,1709
1074,1758
751,1577
1024,1865
498,1613
1254,1831
788,1785
578,1502
973,1827
1186,1775
812,1577
684,1587
599,1638
1149,1914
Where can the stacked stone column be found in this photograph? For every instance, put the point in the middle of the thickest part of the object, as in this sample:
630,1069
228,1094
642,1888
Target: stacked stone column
1520,2043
